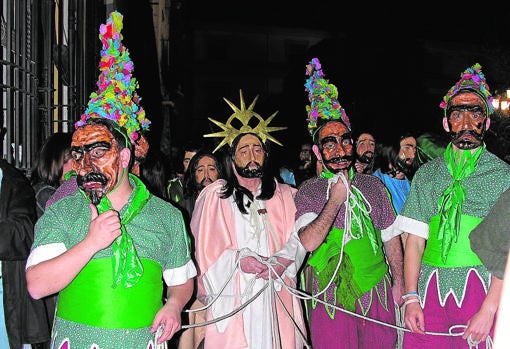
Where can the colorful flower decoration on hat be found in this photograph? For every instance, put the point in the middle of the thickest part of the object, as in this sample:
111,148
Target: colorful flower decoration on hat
323,98
244,115
116,98
473,79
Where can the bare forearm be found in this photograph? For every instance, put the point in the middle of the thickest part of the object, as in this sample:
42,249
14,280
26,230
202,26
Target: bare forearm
180,295
412,261
395,258
492,300
53,275
314,234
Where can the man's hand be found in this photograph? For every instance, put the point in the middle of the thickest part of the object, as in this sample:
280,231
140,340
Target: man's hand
252,265
414,318
279,267
338,191
103,228
168,321
479,326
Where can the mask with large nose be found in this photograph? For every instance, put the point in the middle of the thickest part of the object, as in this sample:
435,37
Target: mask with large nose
96,160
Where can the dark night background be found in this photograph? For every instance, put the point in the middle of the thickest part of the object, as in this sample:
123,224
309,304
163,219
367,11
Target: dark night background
391,64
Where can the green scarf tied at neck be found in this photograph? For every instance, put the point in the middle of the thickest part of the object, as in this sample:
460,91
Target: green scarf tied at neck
127,267
461,164
361,221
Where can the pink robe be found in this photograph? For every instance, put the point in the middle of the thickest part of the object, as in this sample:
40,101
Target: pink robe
216,244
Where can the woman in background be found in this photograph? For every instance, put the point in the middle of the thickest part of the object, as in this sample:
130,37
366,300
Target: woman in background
53,162
51,165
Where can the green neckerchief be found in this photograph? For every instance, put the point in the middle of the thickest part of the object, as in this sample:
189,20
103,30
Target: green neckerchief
461,164
127,267
69,174
361,221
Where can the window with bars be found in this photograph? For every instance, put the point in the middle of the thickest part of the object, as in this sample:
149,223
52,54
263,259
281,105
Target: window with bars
48,64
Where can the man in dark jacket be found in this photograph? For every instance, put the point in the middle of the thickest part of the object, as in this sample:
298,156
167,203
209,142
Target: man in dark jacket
25,318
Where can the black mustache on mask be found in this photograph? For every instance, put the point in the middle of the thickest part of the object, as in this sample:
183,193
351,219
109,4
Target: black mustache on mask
456,138
94,196
91,177
339,159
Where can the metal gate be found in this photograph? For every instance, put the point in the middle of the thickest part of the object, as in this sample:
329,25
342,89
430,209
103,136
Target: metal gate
49,55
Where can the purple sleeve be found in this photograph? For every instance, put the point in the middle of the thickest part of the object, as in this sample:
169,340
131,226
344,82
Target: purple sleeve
374,191
68,187
311,198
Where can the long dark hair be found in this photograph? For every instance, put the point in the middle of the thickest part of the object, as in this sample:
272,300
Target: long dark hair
232,186
191,188
419,158
55,152
388,154
155,173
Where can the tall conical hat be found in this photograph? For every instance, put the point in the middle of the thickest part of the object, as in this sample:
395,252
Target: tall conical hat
116,98
323,98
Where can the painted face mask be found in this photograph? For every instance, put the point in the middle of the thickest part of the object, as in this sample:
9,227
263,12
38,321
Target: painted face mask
206,172
336,147
305,155
249,157
96,160
407,151
466,120
365,148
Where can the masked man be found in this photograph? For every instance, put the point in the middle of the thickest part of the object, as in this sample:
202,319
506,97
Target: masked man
245,248
343,218
410,155
365,153
106,247
204,169
446,283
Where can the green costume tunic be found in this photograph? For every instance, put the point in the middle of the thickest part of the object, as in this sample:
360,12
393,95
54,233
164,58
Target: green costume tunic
482,189
162,244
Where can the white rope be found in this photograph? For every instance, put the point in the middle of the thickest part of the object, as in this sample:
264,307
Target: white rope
347,235
305,296
245,252
272,261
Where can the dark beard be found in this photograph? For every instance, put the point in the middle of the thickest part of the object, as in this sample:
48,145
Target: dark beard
465,144
246,172
94,193
402,165
199,186
366,159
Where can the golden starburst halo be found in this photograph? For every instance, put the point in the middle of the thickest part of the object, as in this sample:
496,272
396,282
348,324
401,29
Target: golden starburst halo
244,115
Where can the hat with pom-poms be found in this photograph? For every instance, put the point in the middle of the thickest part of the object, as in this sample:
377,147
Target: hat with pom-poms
116,98
471,79
323,98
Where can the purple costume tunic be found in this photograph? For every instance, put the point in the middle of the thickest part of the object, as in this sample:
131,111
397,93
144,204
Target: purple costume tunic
332,328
